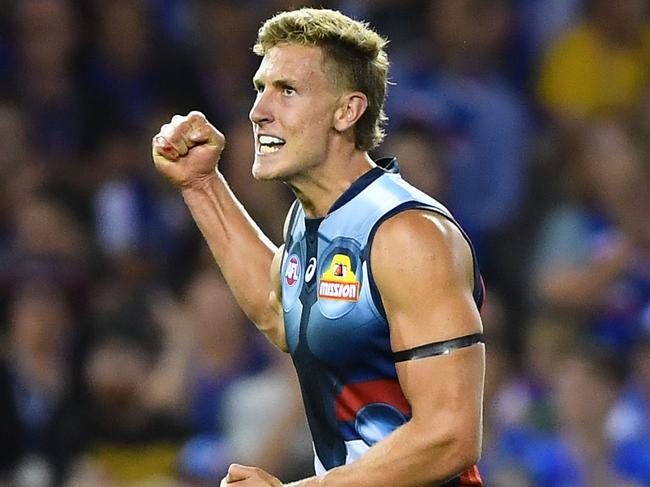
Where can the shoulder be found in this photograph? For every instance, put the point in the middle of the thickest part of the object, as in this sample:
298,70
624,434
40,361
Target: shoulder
421,244
423,269
425,231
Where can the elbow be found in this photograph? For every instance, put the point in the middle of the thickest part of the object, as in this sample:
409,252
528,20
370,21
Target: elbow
456,449
465,451
273,329
471,455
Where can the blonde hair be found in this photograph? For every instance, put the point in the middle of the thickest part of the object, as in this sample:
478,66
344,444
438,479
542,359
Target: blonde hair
352,47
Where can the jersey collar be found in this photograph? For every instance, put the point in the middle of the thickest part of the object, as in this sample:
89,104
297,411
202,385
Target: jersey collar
385,165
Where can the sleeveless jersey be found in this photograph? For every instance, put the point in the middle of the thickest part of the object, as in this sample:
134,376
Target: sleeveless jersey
335,324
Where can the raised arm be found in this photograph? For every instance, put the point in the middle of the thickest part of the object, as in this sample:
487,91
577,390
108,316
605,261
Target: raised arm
423,268
186,151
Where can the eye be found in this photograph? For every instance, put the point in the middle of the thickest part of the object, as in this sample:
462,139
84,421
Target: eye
288,91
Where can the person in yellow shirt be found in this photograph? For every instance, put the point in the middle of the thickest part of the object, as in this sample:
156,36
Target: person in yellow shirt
599,67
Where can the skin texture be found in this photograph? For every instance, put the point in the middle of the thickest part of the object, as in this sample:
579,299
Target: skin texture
431,301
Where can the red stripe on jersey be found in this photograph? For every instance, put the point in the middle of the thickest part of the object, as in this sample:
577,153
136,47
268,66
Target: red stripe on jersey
471,478
355,396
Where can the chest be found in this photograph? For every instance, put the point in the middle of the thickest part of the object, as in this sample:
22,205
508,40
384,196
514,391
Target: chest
327,300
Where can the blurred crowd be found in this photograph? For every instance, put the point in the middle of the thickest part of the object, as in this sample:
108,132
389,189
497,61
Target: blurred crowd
124,360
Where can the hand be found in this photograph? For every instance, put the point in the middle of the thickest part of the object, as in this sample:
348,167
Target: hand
187,149
242,476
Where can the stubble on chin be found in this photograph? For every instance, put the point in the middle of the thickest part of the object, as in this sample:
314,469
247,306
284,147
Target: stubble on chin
260,173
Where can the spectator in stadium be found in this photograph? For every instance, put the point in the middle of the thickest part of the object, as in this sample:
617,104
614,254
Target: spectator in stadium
453,82
422,157
40,400
129,438
46,84
126,78
574,447
599,67
591,257
629,424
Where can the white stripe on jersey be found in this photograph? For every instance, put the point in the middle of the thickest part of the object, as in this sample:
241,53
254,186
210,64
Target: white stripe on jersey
355,449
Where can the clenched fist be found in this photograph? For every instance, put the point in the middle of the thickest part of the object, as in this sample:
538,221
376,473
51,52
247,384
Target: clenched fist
187,149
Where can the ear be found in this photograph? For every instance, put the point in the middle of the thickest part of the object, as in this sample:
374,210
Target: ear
351,106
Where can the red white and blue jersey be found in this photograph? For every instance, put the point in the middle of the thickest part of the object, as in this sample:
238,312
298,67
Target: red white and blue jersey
335,324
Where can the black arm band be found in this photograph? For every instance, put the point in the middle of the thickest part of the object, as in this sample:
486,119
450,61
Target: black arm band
437,348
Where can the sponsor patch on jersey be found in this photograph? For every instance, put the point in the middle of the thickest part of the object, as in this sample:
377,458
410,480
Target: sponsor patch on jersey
339,282
292,272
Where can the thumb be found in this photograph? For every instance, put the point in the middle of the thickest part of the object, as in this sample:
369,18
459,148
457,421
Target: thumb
167,168
207,133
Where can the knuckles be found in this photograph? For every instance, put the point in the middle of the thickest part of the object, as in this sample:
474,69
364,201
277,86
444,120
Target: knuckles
196,116
176,137
182,125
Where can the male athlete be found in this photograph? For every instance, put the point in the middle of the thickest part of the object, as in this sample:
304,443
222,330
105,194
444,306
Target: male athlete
375,292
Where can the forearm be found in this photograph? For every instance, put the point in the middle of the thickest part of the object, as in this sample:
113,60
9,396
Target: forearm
408,457
241,250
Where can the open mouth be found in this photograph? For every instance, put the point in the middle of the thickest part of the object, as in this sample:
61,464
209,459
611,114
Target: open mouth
268,144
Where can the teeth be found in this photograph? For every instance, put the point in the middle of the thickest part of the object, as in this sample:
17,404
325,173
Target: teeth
269,139
269,144
267,149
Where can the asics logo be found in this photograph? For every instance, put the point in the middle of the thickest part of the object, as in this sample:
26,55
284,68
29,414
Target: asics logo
311,269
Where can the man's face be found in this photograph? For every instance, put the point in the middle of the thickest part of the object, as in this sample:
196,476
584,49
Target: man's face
293,112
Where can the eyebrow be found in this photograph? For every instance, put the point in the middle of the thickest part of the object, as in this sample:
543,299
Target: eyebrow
279,83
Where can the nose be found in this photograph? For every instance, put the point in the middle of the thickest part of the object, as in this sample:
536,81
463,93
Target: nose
261,111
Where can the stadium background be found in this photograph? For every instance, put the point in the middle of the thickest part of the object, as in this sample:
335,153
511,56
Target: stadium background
125,362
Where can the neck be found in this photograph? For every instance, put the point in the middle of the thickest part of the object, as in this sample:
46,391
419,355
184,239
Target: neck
318,189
